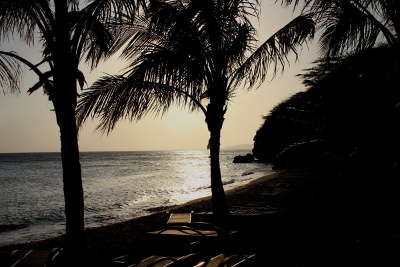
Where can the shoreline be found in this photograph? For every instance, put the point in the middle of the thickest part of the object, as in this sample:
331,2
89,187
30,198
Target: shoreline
138,225
306,213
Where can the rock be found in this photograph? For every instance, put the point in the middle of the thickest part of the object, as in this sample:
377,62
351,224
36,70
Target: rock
244,159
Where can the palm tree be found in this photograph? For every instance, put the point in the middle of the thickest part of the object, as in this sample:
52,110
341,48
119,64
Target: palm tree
353,25
69,35
186,51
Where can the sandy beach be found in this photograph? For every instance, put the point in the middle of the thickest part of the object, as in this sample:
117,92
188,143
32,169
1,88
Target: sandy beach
285,213
117,239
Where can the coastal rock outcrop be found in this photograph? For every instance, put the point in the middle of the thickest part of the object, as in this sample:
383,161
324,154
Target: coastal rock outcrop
248,158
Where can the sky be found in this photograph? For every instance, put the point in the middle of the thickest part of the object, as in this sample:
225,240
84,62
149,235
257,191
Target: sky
27,122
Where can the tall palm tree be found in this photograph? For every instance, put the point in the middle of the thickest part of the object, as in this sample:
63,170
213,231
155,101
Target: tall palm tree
68,35
186,51
353,25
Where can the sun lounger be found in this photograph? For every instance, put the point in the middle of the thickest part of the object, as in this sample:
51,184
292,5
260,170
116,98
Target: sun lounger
233,260
185,231
249,260
213,262
178,218
21,256
163,261
34,258
181,224
186,219
155,261
120,260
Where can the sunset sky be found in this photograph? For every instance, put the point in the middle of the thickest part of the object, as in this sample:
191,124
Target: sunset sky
27,123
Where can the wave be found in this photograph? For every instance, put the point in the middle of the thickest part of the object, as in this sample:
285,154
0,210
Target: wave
160,208
98,166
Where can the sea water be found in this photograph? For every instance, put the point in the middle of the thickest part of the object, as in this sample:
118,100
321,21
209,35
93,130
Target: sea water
117,186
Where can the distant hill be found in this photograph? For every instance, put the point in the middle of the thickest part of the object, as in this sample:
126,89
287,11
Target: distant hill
248,147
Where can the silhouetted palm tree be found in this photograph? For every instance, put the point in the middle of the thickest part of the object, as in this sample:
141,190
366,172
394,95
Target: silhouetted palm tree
186,51
68,35
353,25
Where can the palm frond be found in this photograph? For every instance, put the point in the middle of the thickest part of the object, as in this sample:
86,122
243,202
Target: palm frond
275,51
92,34
352,25
10,73
390,11
135,34
113,98
173,66
24,17
90,37
107,10
346,28
241,41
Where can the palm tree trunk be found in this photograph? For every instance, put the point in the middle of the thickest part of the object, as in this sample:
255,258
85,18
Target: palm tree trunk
64,101
72,180
218,197
214,119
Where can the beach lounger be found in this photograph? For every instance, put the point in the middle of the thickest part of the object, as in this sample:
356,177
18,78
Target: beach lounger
34,258
186,220
233,260
183,233
164,261
213,262
179,218
181,224
19,256
249,260
183,230
154,261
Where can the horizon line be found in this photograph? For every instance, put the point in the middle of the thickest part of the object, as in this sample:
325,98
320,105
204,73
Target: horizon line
144,150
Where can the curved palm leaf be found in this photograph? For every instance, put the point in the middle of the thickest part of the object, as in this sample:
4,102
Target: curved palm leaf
90,39
346,28
116,97
24,17
275,51
353,25
9,73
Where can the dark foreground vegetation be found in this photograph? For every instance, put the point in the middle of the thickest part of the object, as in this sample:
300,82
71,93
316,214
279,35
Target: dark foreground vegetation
345,125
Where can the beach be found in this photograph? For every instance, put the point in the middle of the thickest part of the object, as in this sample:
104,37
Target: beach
118,186
294,218
250,201
116,239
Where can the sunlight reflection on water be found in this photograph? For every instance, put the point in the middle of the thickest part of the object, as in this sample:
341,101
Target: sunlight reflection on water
117,185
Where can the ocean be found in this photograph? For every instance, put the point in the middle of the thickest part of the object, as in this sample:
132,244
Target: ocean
117,185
